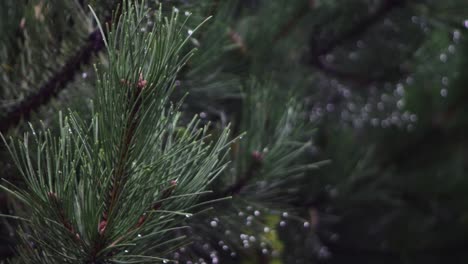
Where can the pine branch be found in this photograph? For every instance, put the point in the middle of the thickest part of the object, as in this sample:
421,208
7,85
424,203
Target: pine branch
294,20
118,178
252,171
359,28
362,79
58,81
50,89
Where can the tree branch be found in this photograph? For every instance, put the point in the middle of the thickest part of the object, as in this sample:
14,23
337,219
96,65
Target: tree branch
359,28
252,171
59,80
294,20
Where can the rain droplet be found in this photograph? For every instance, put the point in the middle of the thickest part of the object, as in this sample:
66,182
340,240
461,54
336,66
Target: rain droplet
443,92
445,80
400,104
282,223
190,32
257,213
214,224
456,35
400,89
285,214
306,224
451,49
443,57
334,237
324,253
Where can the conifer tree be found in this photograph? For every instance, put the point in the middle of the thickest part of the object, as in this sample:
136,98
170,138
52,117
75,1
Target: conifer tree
253,131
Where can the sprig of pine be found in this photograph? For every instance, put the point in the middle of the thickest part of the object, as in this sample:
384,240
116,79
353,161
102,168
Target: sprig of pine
100,191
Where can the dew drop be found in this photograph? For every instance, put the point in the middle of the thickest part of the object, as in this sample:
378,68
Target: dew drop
334,237
443,92
451,49
214,224
443,57
324,253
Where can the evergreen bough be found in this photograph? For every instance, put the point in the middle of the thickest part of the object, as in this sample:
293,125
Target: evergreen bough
109,189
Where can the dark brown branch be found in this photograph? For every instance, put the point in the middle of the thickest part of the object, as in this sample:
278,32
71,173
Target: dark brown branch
359,28
362,79
63,219
317,53
294,20
167,193
119,176
252,171
59,80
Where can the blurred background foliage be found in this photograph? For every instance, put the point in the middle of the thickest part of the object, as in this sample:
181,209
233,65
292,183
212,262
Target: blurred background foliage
375,87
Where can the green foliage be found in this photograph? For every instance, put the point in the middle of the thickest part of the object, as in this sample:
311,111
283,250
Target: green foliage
111,187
